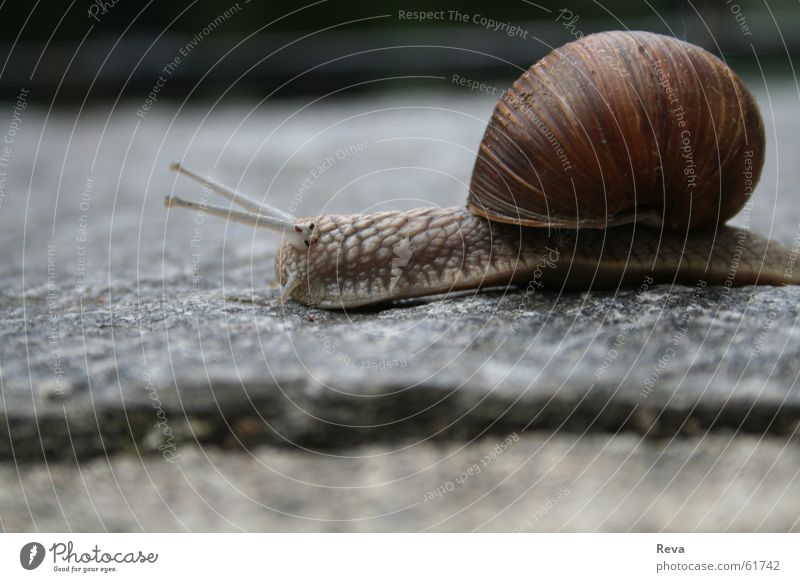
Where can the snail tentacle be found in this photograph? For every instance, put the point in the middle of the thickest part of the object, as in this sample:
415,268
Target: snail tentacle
257,214
238,198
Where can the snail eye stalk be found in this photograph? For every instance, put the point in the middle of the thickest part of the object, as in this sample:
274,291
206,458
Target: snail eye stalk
256,214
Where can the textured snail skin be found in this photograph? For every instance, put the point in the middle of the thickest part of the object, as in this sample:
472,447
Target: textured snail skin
359,260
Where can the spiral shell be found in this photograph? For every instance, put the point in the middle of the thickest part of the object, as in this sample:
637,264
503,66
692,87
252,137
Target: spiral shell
619,127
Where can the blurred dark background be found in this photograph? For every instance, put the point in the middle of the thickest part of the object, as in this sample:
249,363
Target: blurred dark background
90,49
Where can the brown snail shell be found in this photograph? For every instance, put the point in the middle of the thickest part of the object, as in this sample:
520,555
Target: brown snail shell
619,127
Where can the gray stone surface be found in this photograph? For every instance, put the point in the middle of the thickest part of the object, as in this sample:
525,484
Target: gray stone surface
217,368
540,482
169,349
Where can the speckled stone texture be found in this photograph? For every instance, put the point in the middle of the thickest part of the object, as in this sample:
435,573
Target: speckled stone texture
151,380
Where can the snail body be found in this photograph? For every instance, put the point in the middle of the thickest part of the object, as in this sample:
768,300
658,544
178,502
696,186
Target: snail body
616,157
451,249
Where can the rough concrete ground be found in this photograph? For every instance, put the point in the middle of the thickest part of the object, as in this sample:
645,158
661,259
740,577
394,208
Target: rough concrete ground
541,482
152,381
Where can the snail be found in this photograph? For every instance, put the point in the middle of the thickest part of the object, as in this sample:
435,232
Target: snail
619,156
